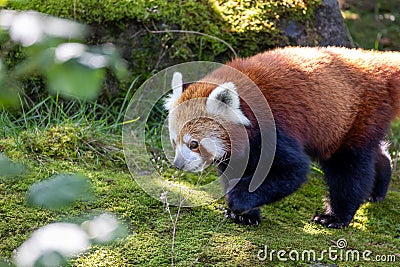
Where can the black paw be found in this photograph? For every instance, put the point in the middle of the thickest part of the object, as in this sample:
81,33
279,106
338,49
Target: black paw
373,198
330,221
249,218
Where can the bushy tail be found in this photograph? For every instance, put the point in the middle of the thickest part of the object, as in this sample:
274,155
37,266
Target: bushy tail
394,85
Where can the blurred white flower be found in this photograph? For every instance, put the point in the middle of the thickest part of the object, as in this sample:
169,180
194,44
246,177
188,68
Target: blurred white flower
102,228
67,51
163,196
6,18
63,28
93,61
26,28
30,27
65,238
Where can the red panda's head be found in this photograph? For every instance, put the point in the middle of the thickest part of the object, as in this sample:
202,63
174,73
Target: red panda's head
203,120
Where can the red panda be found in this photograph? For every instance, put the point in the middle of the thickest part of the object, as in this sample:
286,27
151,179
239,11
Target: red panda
333,105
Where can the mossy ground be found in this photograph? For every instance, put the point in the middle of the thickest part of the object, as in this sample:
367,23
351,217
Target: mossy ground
203,238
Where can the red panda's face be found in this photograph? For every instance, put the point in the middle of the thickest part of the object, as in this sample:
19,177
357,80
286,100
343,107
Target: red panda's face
198,143
199,125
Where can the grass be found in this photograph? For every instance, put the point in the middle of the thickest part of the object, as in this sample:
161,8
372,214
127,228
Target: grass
374,25
203,236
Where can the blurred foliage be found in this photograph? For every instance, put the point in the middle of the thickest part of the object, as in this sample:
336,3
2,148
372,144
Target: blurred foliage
60,192
51,48
395,135
51,258
9,168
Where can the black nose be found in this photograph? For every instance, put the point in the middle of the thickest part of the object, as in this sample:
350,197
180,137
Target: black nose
179,163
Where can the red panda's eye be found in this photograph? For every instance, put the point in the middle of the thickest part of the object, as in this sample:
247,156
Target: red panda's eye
193,145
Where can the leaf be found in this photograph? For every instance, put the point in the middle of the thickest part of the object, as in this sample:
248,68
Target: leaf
8,90
60,191
72,79
9,168
50,258
8,95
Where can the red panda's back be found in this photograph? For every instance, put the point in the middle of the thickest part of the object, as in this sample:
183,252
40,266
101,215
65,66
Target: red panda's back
324,97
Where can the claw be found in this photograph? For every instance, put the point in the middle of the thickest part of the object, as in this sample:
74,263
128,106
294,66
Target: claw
329,221
244,219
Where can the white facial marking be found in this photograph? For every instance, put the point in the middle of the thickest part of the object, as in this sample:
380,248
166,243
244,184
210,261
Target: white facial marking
187,138
192,160
225,100
188,154
214,146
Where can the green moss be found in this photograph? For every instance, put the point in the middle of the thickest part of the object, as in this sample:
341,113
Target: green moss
65,142
248,27
259,16
203,236
57,141
94,11
243,15
232,21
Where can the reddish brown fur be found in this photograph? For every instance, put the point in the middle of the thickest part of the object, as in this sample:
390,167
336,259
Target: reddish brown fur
193,118
323,97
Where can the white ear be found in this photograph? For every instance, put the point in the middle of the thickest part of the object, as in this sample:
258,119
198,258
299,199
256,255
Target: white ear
177,89
224,100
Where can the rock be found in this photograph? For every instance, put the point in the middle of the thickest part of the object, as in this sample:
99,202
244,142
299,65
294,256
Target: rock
363,5
328,29
148,52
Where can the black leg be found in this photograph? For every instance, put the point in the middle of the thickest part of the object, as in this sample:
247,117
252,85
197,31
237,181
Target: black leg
288,172
383,173
350,175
